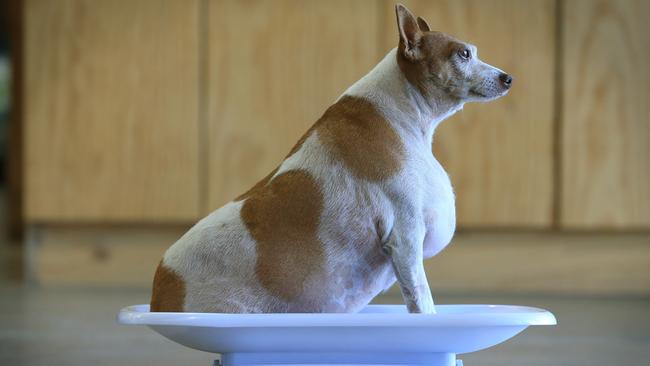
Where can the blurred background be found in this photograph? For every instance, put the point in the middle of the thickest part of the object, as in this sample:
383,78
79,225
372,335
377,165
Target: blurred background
123,122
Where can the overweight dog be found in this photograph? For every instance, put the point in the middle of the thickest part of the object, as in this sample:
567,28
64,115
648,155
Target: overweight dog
356,205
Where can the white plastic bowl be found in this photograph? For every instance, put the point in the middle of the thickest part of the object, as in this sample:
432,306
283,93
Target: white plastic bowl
380,334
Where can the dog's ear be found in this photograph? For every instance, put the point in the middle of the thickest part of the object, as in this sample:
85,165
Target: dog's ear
424,26
409,32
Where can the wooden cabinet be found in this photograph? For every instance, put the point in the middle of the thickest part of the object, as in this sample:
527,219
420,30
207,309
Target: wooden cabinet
163,110
499,155
605,166
274,68
111,112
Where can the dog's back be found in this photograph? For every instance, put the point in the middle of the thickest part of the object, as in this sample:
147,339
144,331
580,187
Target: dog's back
305,238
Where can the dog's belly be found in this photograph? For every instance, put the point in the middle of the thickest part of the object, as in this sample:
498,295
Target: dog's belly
358,275
352,293
219,262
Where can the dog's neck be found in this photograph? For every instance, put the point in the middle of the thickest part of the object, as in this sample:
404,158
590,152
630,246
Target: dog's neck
401,103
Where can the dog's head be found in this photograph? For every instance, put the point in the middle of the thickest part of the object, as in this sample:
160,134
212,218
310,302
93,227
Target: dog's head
437,63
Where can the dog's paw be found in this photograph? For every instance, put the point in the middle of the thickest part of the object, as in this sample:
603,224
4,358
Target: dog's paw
428,307
425,306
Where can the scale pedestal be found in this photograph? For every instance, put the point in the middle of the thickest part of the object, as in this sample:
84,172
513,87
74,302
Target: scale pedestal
338,358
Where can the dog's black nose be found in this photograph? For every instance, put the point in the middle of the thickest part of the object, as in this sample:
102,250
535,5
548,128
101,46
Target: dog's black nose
506,80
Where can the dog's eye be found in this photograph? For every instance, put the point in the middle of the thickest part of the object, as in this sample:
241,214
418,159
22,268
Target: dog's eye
465,54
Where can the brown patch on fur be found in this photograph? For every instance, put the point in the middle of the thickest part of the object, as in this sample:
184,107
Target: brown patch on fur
423,55
283,217
358,135
436,48
168,291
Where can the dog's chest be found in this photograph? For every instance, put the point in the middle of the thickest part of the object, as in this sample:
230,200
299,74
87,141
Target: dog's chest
438,205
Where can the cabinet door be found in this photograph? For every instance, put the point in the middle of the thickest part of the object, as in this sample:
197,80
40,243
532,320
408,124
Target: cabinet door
274,67
606,115
111,126
499,155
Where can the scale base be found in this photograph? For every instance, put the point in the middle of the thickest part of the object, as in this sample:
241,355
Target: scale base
338,358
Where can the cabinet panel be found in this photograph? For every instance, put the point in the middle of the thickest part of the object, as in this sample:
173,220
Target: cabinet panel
499,155
111,124
274,67
606,109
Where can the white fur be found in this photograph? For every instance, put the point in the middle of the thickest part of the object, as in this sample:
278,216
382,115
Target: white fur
217,257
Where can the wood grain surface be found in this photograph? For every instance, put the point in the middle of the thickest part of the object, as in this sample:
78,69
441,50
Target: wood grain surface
606,115
487,262
111,117
161,110
499,155
274,68
97,255
544,263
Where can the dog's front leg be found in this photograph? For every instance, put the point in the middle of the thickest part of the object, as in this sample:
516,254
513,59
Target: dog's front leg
405,246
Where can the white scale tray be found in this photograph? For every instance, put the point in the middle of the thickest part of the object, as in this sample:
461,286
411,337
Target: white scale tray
379,335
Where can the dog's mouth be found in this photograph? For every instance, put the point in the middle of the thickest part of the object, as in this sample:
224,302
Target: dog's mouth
476,93
480,95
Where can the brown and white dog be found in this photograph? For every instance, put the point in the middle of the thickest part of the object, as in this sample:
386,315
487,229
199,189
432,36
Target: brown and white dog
358,203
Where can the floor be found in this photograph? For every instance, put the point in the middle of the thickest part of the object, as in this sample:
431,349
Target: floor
77,327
